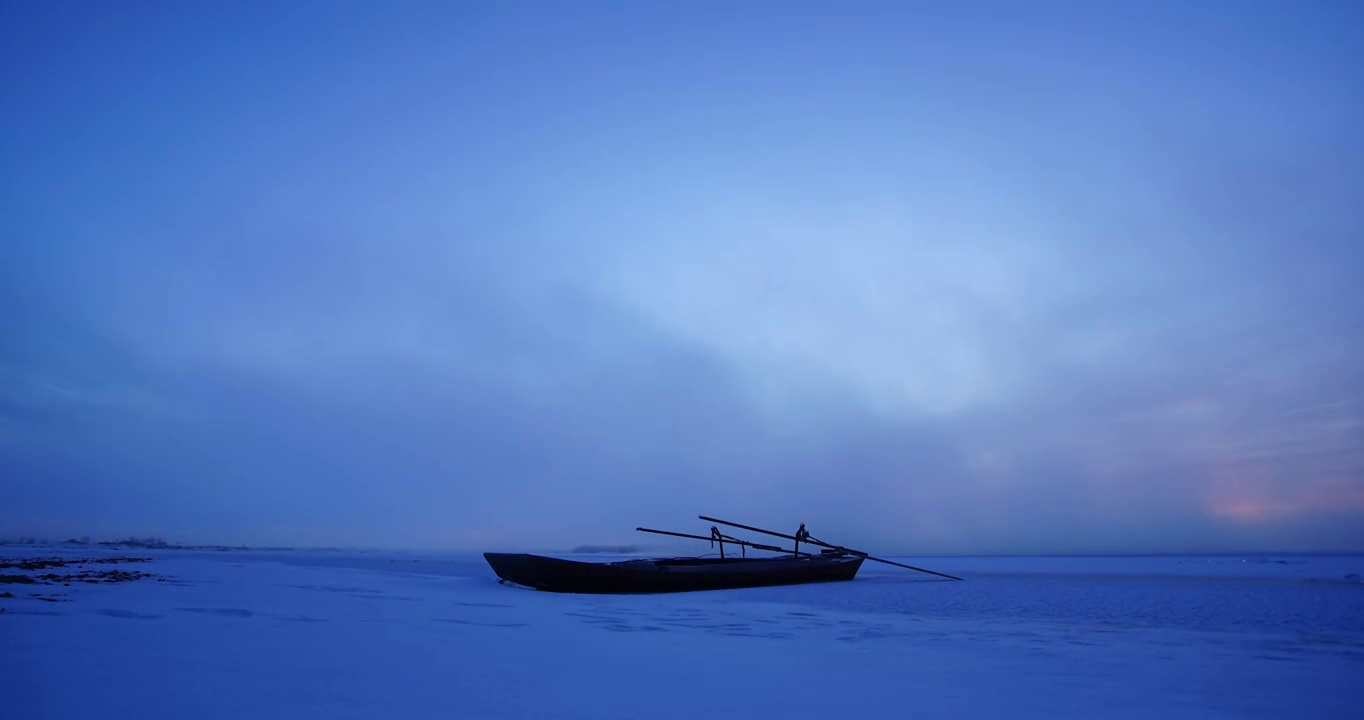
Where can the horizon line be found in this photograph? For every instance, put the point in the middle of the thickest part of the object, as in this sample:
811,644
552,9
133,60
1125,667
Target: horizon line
157,544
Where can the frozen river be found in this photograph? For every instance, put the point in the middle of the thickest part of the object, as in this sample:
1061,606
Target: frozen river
327,634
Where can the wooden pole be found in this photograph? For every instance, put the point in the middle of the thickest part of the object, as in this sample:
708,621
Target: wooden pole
755,546
811,541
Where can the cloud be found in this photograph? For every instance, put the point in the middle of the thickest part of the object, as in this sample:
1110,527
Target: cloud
529,298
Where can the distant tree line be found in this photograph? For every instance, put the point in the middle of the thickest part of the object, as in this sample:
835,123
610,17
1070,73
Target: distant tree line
148,542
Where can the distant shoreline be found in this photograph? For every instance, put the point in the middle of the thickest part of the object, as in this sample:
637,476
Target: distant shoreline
604,549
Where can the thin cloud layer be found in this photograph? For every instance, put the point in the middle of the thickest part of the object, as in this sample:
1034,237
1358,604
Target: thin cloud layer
518,278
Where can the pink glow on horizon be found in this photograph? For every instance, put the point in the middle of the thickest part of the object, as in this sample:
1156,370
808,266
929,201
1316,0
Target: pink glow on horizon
1262,504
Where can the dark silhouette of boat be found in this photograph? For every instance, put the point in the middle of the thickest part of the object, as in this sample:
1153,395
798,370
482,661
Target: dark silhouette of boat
686,574
661,575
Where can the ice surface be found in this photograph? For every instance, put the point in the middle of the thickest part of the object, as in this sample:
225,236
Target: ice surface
368,635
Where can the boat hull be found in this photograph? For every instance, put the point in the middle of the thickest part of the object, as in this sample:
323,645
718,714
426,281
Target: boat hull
669,574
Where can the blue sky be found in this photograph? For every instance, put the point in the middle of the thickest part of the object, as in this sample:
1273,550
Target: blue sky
967,277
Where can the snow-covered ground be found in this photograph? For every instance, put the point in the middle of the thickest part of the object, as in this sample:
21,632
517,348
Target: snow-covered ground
270,634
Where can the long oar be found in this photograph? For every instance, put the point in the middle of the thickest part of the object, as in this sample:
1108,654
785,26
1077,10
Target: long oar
755,546
813,541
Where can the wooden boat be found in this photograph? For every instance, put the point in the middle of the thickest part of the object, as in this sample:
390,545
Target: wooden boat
685,574
662,575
